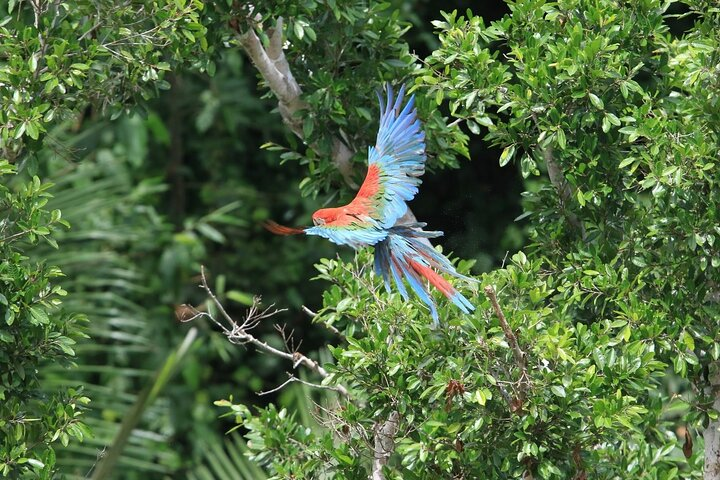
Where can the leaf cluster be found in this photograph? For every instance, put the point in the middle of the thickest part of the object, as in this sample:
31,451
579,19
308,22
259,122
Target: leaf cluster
628,114
34,332
586,405
614,303
57,58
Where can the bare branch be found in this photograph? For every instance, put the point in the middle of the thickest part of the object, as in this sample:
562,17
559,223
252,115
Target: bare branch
275,70
37,6
239,333
384,443
518,354
557,179
556,175
309,312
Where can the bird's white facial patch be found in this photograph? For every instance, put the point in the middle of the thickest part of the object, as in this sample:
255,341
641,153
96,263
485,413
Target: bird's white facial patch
318,221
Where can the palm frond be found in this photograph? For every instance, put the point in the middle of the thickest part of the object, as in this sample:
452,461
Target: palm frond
111,231
226,460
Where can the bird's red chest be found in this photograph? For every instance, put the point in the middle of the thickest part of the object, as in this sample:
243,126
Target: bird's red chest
341,216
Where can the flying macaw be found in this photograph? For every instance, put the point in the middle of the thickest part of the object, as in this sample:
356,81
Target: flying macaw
395,165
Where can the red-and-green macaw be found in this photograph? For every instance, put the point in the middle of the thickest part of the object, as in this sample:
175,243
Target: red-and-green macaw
395,165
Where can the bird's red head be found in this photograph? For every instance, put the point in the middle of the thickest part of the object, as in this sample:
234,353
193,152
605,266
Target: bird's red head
325,215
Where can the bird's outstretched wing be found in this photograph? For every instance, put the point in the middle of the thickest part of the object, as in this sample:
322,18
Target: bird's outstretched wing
395,165
397,161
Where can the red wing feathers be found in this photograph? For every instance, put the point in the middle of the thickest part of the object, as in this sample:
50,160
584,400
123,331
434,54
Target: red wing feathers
371,185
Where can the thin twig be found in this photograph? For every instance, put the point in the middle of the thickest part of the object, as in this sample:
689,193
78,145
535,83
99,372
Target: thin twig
309,312
326,325
518,354
239,334
89,32
293,379
14,236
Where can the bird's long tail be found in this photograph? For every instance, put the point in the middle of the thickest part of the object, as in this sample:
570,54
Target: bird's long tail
278,229
404,254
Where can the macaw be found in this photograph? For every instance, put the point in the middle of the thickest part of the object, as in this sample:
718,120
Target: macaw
395,165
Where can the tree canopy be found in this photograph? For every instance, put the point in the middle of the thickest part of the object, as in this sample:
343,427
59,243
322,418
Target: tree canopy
141,141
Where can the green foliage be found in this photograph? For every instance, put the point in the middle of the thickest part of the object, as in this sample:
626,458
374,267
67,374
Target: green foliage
630,117
126,268
583,407
341,52
613,122
227,460
34,332
614,303
59,57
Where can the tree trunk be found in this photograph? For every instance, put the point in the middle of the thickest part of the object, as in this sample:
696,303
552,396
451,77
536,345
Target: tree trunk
384,444
712,432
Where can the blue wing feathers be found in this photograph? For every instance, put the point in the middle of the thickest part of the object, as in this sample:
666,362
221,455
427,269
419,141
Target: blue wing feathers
381,267
402,247
399,151
355,237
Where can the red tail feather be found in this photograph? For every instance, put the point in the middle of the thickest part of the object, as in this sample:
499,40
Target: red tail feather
278,229
435,279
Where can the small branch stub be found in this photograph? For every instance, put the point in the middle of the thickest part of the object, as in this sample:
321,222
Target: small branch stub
557,179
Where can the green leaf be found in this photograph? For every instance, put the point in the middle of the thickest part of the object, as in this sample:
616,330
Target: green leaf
688,340
561,140
596,101
558,390
240,297
612,119
580,197
32,129
299,31
39,315
507,155
626,161
308,126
